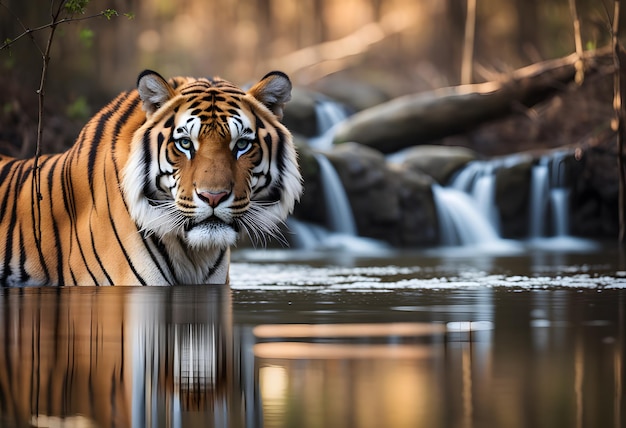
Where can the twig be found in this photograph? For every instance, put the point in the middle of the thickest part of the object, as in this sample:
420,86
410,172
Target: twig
41,96
618,122
54,23
580,65
468,43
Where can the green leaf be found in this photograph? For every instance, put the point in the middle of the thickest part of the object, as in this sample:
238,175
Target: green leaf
129,15
76,6
109,13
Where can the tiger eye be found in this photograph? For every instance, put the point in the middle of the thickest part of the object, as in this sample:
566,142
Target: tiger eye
243,144
185,143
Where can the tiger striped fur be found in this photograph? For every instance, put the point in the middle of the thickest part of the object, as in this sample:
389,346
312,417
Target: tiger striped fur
156,188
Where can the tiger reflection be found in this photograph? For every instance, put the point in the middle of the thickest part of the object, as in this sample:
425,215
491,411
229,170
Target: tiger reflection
115,357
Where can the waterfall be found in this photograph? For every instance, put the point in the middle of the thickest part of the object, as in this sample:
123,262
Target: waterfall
559,200
484,193
559,196
467,211
539,191
328,114
338,211
549,207
460,219
549,194
471,197
463,224
478,180
340,231
468,214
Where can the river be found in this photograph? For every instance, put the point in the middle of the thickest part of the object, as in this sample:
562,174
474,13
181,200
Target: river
437,338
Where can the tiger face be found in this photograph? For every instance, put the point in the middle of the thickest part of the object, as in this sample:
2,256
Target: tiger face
210,161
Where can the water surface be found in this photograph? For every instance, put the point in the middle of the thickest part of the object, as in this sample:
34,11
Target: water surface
329,339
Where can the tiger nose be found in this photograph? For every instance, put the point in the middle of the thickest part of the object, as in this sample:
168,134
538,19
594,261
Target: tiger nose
213,198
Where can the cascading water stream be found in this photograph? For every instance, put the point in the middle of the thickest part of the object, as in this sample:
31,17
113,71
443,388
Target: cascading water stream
484,193
539,191
328,114
460,220
549,226
478,180
339,216
469,216
559,199
467,212
340,230
549,194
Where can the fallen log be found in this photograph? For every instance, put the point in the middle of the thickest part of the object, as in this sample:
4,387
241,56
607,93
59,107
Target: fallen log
424,117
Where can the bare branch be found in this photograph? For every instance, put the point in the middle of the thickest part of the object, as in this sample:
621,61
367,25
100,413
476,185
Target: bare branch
69,9
54,23
468,43
580,66
41,94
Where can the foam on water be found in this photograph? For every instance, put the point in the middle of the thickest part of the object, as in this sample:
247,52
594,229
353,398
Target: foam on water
250,276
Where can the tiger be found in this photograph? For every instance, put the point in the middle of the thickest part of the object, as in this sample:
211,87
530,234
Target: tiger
157,188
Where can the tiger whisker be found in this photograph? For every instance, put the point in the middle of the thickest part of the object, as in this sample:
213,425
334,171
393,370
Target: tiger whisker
169,215
259,224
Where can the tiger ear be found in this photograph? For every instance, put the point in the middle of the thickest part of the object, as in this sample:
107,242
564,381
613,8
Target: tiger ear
274,90
154,91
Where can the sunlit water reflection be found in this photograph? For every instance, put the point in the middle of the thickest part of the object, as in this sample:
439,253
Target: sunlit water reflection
328,339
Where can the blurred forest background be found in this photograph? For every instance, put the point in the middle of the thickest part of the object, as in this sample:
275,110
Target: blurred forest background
361,52
395,46
400,45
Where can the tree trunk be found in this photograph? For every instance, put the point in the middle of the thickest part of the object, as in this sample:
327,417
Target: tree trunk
424,117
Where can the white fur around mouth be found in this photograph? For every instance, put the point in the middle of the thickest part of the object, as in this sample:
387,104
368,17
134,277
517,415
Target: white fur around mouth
211,222
211,232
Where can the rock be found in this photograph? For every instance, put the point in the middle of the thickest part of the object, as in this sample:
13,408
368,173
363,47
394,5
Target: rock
512,196
389,203
439,162
300,113
310,209
310,113
394,202
594,198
